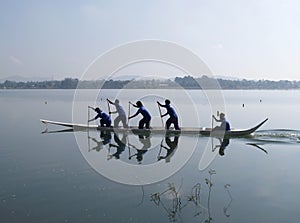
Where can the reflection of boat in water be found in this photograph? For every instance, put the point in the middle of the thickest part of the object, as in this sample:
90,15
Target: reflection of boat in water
158,156
158,130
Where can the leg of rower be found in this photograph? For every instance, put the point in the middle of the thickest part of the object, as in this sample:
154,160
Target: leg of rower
117,121
176,124
141,123
168,123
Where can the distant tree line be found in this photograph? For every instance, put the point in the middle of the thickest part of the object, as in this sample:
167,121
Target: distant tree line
187,82
67,83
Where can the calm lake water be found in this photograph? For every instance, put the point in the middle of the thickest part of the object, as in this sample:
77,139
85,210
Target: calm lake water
101,177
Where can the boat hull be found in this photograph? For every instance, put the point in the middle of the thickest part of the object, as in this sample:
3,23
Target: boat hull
231,133
157,130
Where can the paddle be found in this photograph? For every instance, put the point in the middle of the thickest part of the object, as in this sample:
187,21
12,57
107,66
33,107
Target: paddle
128,144
128,113
88,130
88,123
212,120
108,105
160,149
160,114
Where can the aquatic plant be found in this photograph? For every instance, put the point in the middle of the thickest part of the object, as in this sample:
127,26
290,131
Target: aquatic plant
179,203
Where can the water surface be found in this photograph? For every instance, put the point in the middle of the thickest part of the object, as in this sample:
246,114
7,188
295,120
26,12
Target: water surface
45,177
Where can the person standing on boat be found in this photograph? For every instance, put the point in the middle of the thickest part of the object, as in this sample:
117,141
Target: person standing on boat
145,121
105,120
171,112
121,114
224,123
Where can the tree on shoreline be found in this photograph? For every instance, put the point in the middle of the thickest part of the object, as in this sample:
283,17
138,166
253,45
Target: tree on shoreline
187,82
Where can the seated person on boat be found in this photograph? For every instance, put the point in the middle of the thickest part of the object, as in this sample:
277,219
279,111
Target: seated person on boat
145,121
171,112
224,123
105,120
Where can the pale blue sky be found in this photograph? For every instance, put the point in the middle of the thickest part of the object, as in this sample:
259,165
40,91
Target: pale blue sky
256,39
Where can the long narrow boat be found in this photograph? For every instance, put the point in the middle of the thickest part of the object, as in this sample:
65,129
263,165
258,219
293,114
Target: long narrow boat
158,130
231,133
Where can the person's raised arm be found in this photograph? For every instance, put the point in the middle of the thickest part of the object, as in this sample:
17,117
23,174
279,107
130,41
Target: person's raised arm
217,120
161,105
110,102
130,117
91,107
133,104
92,119
164,115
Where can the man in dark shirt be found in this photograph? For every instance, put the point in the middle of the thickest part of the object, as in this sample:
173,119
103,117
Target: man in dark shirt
171,112
105,120
145,121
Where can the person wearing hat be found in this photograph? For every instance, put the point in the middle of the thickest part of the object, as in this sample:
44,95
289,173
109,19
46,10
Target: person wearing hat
105,120
224,123
171,112
121,113
145,121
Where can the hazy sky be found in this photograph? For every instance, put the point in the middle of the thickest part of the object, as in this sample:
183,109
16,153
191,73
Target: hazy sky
255,39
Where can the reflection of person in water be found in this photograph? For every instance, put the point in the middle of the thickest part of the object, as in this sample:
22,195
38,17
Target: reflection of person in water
223,144
105,136
121,145
172,145
144,138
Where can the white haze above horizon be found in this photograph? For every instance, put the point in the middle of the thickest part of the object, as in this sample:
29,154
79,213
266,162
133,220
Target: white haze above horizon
237,39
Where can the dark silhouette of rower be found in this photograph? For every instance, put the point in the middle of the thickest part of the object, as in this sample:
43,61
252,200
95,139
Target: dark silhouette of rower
106,138
144,138
173,119
172,145
145,121
105,120
223,144
121,145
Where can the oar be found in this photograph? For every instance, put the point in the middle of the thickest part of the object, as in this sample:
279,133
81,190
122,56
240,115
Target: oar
108,109
88,123
160,148
212,120
160,114
212,127
88,131
128,113
129,151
